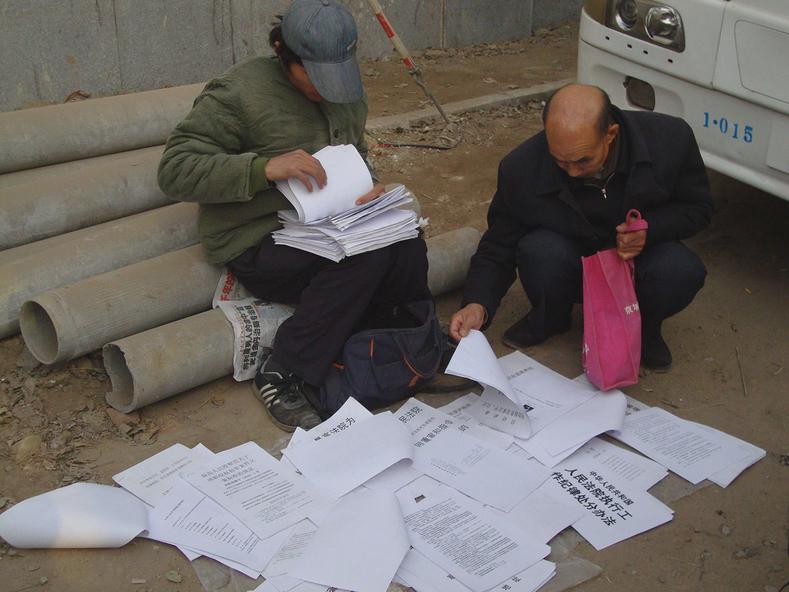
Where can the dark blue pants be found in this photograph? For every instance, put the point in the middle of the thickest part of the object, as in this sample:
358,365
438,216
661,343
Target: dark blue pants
333,300
667,277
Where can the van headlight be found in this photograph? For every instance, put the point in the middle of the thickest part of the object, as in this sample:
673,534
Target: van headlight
626,14
649,20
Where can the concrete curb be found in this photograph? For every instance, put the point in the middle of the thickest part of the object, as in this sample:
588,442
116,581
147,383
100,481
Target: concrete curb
510,97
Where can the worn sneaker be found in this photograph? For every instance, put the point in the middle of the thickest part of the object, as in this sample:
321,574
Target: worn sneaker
283,396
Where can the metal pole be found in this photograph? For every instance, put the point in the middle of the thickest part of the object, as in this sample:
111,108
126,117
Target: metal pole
413,69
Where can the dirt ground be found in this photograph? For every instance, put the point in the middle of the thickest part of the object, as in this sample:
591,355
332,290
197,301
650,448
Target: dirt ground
731,352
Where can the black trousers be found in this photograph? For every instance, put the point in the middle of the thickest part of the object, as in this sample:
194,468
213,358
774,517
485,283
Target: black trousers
333,300
667,277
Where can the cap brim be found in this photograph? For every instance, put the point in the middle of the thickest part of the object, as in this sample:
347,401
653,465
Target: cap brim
339,82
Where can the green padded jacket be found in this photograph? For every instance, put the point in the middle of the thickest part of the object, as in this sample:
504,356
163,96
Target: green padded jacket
217,155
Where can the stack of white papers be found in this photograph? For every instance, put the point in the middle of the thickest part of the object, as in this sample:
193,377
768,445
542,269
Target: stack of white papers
327,221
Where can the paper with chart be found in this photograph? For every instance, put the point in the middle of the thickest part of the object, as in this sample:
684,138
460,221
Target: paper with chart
187,517
466,539
347,179
496,411
82,515
266,495
373,445
359,545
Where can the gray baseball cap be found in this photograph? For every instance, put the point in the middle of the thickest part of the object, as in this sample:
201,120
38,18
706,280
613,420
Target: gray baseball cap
323,34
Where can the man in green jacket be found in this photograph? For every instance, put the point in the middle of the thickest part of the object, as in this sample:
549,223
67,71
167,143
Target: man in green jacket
257,124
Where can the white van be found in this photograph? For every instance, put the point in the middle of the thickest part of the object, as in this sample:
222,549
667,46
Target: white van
722,65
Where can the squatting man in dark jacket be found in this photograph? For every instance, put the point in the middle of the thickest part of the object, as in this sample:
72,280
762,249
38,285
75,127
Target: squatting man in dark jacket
259,123
564,194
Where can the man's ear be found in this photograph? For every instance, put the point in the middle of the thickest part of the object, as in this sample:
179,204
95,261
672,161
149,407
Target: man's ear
611,133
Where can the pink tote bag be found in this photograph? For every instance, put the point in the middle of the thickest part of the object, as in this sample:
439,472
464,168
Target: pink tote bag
611,351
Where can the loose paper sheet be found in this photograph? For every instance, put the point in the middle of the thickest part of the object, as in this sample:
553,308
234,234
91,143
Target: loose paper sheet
683,447
291,550
543,516
264,494
546,394
187,517
635,469
151,479
489,475
474,359
615,510
359,545
467,540
347,179
338,464
82,515
601,412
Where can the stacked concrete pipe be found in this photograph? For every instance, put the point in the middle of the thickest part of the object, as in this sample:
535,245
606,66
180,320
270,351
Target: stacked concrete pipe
68,322
61,133
56,204
34,268
167,360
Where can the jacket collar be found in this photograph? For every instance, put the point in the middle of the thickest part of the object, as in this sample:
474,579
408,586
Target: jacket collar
633,151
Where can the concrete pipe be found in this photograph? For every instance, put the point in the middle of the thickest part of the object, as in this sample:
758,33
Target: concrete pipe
67,168
32,138
162,362
32,269
73,320
55,205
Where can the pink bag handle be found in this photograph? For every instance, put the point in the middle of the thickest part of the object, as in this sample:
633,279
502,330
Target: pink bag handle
634,221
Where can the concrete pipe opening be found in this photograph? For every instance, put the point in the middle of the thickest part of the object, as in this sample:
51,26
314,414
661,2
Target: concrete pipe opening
121,397
39,332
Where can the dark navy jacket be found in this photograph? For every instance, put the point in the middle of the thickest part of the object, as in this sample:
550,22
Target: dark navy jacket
659,172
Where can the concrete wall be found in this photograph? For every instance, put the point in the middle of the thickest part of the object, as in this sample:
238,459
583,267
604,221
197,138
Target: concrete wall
51,48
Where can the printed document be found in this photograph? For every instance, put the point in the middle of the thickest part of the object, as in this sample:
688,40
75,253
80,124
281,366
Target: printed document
188,517
467,540
263,493
342,462
489,475
690,451
614,509
151,479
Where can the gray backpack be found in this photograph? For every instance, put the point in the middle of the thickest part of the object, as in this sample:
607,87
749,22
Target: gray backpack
382,366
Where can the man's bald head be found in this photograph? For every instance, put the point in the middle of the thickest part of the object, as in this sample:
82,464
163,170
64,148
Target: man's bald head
579,129
576,106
